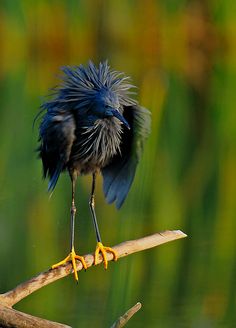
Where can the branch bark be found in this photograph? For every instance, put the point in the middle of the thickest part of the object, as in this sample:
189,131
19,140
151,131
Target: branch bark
10,318
122,320
23,290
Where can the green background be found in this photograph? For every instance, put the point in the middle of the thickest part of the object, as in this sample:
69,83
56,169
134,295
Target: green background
182,56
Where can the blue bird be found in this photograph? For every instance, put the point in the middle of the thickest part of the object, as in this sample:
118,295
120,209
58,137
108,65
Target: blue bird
92,124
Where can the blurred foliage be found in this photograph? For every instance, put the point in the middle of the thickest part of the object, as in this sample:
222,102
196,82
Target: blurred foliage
181,55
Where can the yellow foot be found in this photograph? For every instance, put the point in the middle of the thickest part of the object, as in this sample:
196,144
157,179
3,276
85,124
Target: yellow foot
102,249
71,258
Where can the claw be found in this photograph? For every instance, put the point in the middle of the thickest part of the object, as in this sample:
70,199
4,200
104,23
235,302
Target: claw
103,249
71,258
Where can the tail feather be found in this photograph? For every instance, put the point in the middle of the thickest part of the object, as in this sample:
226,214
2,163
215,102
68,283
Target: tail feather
54,177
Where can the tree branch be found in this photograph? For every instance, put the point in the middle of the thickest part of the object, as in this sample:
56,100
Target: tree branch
45,278
12,318
122,320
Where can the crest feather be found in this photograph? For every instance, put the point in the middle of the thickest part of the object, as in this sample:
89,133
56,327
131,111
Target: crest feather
80,84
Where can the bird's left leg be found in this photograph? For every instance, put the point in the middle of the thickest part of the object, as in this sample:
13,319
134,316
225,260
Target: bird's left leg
100,248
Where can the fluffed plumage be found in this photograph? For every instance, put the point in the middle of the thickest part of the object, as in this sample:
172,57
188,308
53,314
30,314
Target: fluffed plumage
91,123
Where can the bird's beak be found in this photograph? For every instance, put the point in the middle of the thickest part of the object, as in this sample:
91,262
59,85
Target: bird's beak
121,118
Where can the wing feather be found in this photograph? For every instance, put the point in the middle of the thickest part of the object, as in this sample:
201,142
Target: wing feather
56,134
118,175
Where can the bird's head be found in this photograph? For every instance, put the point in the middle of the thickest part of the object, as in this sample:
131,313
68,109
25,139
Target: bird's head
95,91
106,104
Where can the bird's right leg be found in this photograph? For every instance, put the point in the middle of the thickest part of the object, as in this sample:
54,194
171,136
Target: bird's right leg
72,255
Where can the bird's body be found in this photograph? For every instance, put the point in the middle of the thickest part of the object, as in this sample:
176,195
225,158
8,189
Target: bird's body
92,124
94,145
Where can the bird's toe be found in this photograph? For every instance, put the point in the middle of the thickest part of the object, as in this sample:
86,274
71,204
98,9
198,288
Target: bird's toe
103,250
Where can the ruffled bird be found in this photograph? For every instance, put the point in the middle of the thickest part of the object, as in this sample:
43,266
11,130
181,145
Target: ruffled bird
92,124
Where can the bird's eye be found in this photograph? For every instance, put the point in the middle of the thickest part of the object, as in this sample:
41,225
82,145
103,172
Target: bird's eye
106,106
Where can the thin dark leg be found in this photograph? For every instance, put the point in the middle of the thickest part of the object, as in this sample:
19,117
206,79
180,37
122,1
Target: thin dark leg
92,209
73,176
100,248
72,256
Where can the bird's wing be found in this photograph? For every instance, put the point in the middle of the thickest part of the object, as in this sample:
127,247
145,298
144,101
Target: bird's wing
118,175
57,134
